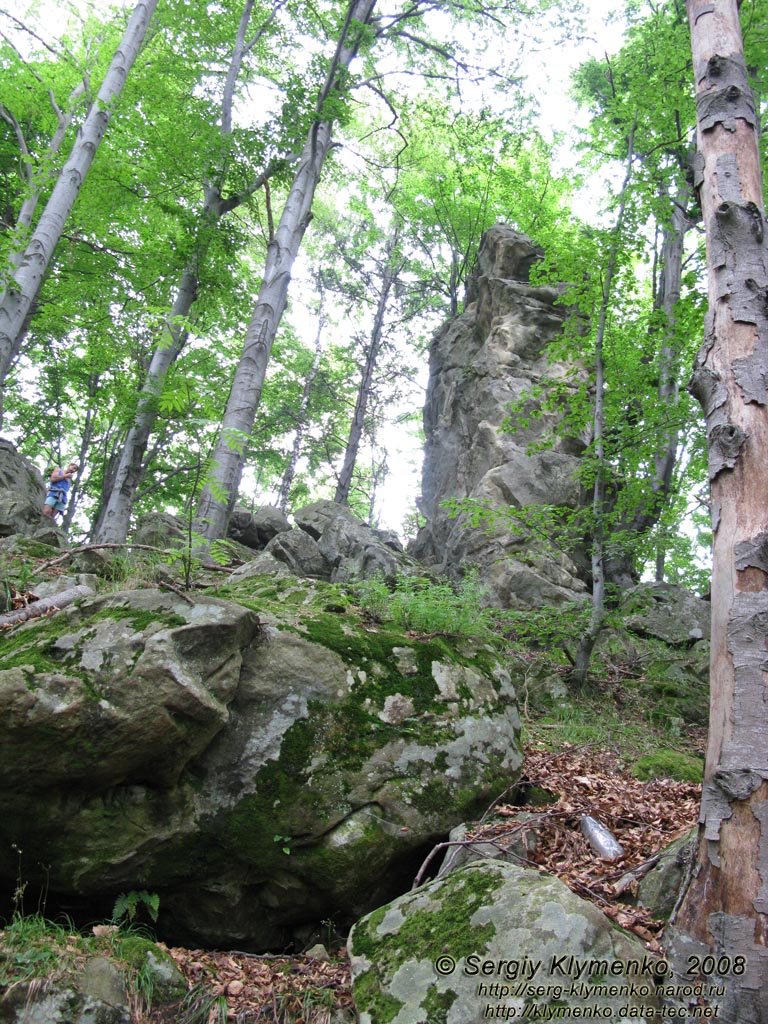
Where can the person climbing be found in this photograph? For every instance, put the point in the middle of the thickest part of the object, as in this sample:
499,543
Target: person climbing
58,490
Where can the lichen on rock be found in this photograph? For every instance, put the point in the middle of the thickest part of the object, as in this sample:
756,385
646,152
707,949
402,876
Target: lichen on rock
488,937
242,756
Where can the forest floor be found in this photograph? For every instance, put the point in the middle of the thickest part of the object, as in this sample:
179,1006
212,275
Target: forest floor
573,781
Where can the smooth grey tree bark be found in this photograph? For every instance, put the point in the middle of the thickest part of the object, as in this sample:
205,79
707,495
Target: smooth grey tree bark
372,351
665,459
24,283
220,491
35,179
597,617
724,911
301,420
114,518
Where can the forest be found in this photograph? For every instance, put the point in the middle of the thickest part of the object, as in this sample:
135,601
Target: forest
342,164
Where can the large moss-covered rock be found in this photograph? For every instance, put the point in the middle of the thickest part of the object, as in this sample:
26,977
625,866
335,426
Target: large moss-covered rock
89,987
493,940
262,763
97,995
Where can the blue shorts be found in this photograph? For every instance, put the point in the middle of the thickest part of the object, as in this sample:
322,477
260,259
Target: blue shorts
56,499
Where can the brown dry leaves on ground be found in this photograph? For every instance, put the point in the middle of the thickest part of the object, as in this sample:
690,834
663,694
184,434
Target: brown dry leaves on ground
261,989
643,816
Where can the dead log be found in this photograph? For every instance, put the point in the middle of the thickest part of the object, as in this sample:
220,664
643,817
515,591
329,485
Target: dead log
45,605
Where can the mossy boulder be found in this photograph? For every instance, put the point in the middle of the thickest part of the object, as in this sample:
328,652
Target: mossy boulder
667,612
669,764
85,986
493,940
121,689
660,888
262,761
95,995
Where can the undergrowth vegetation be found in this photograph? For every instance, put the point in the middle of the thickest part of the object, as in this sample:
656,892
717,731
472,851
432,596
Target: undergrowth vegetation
642,697
422,605
36,953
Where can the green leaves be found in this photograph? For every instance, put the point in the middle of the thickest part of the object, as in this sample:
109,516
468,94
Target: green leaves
127,905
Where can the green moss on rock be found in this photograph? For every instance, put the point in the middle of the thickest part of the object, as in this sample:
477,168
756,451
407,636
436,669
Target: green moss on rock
669,764
387,939
431,928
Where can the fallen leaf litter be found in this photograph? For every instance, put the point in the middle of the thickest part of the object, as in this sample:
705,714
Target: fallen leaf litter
644,817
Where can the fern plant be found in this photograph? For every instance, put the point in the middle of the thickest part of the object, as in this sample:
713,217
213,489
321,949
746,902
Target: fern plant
127,906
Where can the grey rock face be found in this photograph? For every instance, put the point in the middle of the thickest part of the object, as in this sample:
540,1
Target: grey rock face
301,553
160,530
483,363
260,771
256,529
97,996
313,519
667,612
330,543
427,950
516,850
660,888
22,493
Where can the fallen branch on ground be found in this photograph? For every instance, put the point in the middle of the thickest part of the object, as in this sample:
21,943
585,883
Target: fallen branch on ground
45,605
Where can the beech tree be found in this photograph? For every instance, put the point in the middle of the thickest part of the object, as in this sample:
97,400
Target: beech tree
220,492
725,907
114,518
404,28
23,284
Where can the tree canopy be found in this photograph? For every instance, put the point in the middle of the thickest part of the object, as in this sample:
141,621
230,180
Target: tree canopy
128,356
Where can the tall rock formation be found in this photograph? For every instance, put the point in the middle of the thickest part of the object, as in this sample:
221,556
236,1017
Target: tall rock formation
482,363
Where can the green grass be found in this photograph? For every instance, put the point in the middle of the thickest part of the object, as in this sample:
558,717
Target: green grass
423,605
608,721
34,949
669,764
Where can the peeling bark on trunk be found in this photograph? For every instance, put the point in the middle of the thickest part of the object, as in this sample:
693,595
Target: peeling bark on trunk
725,908
220,493
25,282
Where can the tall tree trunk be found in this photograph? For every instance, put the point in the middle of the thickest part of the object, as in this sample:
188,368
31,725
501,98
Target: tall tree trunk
725,908
665,459
621,567
35,178
389,277
115,515
589,639
24,284
301,420
220,492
